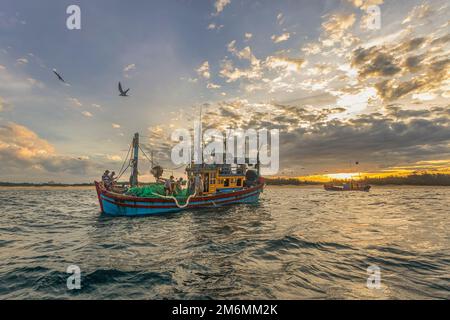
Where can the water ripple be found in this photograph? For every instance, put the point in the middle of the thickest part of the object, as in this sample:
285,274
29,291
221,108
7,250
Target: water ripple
297,243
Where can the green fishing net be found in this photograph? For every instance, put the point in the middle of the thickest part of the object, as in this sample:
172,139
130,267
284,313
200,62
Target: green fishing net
149,191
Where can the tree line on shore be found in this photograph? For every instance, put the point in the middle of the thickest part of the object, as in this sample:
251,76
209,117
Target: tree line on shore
423,179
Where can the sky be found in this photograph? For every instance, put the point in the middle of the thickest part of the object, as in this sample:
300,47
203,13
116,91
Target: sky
339,90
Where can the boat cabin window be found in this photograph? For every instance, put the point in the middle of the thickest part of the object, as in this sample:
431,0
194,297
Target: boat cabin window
239,182
226,183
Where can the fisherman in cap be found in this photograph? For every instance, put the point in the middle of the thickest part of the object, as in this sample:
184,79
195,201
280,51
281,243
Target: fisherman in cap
106,179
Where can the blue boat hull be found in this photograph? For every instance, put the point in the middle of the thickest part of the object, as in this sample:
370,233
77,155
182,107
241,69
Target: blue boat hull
120,205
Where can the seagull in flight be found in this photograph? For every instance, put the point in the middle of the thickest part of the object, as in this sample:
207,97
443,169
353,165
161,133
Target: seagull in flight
58,75
122,92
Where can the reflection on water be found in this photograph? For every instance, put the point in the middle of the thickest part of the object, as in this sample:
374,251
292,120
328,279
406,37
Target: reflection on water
297,243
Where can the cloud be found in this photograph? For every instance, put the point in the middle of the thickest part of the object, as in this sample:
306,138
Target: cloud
27,157
404,68
308,133
288,64
75,102
424,96
364,4
4,105
9,22
115,125
280,18
245,53
212,86
213,26
417,13
377,142
280,38
356,102
220,5
87,114
35,83
22,61
275,73
374,62
335,27
232,73
434,75
95,105
128,69
115,158
23,144
312,48
203,70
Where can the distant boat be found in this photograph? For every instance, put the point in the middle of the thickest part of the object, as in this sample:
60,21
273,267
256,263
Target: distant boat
350,186
223,186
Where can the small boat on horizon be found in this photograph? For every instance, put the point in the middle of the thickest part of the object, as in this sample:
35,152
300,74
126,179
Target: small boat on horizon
348,186
222,185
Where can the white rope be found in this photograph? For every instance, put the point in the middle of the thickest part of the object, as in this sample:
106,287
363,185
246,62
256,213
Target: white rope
176,200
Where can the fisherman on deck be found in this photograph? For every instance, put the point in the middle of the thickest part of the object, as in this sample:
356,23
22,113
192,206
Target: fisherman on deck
168,186
191,185
198,182
106,179
178,185
112,179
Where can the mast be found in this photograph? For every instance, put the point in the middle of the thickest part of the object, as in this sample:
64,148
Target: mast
258,164
134,173
201,135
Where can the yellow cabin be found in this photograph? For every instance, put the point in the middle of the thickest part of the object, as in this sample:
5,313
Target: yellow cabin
219,178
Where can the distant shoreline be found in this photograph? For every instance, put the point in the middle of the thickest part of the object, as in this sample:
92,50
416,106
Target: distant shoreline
425,179
46,187
270,186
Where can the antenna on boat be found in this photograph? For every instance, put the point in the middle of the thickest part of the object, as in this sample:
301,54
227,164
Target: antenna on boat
258,163
225,148
134,172
201,134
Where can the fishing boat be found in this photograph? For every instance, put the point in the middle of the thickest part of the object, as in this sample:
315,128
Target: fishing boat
223,185
350,186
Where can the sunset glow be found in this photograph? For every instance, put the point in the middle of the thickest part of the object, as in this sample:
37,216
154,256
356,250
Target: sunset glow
338,89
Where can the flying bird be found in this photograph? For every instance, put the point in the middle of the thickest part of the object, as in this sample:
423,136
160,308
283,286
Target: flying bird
58,75
122,92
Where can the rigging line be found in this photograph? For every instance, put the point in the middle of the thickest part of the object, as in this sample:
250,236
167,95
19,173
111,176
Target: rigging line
123,164
145,155
176,168
118,177
124,170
